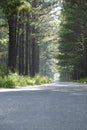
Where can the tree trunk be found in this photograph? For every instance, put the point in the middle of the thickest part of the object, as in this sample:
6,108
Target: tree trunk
27,46
12,54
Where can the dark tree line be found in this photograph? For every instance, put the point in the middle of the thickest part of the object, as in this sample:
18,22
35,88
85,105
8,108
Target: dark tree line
72,53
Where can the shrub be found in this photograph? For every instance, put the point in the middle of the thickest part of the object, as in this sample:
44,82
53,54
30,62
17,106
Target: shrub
3,70
42,80
1,82
8,82
13,79
30,81
83,80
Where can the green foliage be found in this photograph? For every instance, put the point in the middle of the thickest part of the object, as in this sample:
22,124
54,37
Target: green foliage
11,7
83,80
42,80
1,82
3,70
24,6
8,82
72,47
13,80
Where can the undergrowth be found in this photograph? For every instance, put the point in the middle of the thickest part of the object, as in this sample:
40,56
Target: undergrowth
13,79
83,80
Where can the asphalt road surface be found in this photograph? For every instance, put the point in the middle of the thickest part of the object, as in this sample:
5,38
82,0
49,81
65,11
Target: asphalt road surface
61,106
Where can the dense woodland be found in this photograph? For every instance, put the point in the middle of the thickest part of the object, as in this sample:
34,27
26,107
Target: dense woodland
72,42
44,36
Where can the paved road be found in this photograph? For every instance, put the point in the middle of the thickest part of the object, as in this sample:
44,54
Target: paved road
61,106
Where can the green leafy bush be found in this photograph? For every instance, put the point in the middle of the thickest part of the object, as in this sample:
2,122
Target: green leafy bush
13,79
84,80
30,81
8,82
39,79
1,82
3,70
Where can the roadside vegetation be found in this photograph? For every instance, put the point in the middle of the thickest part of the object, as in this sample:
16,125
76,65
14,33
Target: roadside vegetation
83,80
13,80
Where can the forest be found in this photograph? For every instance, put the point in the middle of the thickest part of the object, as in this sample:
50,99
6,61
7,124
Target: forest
45,37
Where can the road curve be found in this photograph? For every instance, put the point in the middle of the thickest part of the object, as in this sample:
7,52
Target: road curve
59,106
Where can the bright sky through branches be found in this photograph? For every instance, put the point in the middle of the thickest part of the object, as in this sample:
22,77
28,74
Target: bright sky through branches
56,12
